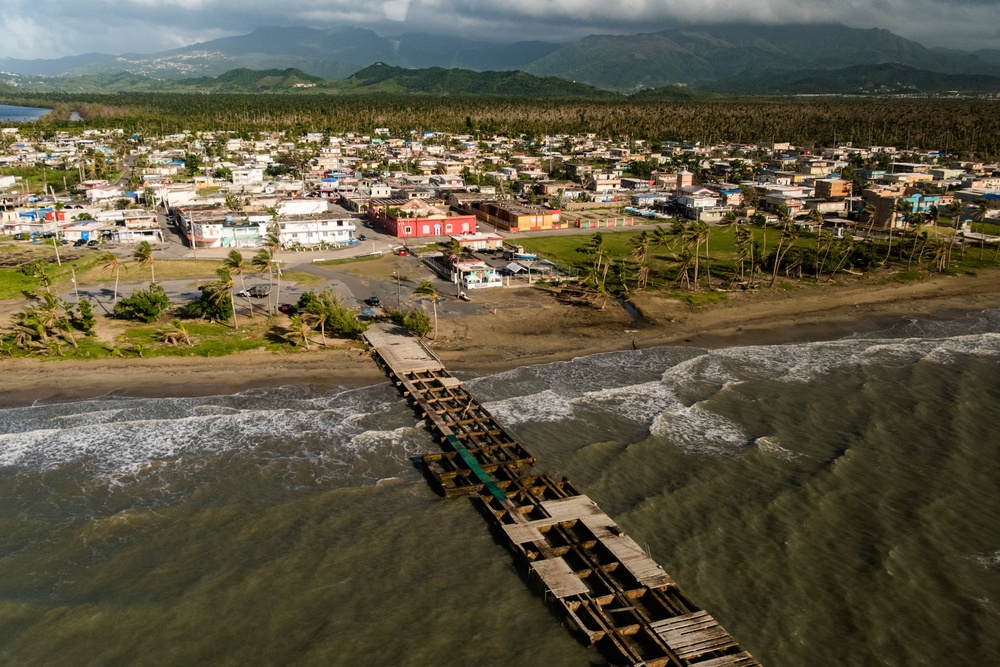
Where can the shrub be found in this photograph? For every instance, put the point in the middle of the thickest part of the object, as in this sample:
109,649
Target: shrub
143,305
417,323
83,319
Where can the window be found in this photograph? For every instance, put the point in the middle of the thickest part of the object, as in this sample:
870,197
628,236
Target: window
407,230
426,229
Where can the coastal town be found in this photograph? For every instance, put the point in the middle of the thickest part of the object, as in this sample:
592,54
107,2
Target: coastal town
469,207
220,191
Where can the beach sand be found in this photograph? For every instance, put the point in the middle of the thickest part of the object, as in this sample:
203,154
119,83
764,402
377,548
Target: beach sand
516,327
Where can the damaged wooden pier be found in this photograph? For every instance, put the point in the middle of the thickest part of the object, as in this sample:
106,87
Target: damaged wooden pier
607,589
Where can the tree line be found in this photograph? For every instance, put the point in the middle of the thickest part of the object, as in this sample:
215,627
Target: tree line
963,127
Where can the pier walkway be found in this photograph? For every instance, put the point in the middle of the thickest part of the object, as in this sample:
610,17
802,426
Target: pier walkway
607,589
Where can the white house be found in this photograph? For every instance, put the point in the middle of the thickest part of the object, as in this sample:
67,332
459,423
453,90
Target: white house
248,176
334,226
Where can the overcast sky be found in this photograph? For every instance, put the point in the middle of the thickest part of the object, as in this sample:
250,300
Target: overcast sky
55,28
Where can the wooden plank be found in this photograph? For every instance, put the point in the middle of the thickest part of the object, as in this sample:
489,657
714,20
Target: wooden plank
522,533
567,509
559,578
741,659
693,635
645,570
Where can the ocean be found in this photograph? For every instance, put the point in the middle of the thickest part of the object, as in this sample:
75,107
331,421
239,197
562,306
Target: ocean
830,503
14,114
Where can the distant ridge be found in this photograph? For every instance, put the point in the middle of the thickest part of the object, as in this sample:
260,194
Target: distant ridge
709,57
889,79
439,81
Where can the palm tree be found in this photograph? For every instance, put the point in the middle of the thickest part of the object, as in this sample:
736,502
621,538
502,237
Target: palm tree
143,256
871,215
426,290
846,248
982,206
746,245
595,248
264,261
640,255
789,235
272,242
694,237
955,209
816,217
903,208
109,260
939,254
298,331
226,284
919,240
235,263
683,258
321,310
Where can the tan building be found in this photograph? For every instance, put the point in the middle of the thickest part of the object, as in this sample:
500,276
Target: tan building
518,217
832,188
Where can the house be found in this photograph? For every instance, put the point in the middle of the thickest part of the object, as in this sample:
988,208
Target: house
517,217
417,218
832,188
225,229
248,176
335,226
84,230
475,275
479,241
602,181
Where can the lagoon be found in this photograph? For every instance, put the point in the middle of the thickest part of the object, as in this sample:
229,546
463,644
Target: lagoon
15,114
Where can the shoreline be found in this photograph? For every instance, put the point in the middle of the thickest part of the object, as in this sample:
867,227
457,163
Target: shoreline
516,330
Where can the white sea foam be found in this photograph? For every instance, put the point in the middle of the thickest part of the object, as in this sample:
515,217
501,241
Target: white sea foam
771,446
120,441
987,561
545,406
697,430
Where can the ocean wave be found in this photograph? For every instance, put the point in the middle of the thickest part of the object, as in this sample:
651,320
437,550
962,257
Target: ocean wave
544,406
696,430
987,561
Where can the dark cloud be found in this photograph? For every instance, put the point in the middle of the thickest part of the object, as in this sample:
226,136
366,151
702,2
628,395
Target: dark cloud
53,28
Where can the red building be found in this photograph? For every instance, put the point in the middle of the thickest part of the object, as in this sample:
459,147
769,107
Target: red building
417,218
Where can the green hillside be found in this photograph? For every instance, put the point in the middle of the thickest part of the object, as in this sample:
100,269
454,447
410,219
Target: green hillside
698,55
889,79
382,78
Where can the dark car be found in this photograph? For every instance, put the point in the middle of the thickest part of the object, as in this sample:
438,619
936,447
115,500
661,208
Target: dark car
21,236
373,301
362,238
288,309
93,243
79,242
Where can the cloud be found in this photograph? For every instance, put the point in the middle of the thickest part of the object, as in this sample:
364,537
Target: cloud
144,26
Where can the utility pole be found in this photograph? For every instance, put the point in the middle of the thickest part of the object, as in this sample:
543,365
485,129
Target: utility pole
399,301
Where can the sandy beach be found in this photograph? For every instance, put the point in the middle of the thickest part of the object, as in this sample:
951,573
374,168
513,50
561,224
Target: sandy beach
518,327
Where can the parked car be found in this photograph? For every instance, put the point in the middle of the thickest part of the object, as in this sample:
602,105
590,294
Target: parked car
362,237
79,242
373,301
257,292
463,296
21,236
287,309
93,243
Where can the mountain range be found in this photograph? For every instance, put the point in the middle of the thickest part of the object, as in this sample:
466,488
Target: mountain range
743,58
